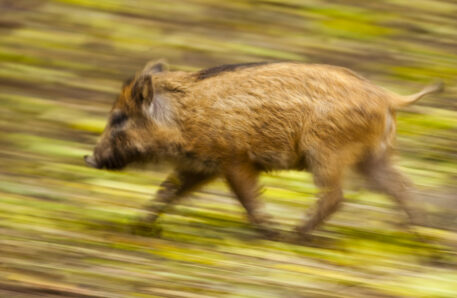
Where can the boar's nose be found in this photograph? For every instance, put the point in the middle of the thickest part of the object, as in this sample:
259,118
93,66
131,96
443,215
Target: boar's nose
90,161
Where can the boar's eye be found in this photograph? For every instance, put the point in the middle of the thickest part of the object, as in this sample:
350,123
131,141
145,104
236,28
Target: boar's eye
118,118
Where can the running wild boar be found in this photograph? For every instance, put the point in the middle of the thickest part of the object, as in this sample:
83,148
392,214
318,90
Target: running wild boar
237,121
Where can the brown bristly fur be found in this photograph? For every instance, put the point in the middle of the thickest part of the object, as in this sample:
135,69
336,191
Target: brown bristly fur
240,120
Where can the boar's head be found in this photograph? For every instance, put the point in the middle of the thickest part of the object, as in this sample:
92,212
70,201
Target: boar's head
131,127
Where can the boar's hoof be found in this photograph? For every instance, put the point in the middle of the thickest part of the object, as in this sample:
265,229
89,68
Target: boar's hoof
90,161
147,229
302,236
268,232
303,239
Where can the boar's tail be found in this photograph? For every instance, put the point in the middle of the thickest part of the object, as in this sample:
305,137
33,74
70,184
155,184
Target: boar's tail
401,101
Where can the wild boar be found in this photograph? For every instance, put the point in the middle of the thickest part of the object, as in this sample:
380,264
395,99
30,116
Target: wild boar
239,120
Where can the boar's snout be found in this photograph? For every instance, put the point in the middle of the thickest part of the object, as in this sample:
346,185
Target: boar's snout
107,158
90,161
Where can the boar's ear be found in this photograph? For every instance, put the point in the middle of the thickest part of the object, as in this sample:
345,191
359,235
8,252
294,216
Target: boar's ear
143,89
155,67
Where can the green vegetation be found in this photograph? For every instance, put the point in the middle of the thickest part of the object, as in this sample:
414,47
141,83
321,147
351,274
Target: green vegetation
64,228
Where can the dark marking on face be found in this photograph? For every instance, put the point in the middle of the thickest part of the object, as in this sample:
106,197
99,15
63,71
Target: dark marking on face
119,154
118,118
214,71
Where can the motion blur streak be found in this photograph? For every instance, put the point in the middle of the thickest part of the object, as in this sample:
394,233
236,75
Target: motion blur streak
65,227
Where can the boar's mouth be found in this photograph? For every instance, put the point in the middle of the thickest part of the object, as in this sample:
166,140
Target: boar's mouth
114,161
90,161
109,163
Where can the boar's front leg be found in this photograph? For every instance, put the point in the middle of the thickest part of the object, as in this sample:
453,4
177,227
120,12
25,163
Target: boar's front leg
242,180
174,187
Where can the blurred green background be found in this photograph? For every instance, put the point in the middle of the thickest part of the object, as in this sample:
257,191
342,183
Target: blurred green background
64,227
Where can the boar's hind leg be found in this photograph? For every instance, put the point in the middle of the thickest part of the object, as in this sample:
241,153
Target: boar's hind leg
328,178
385,178
174,187
242,180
